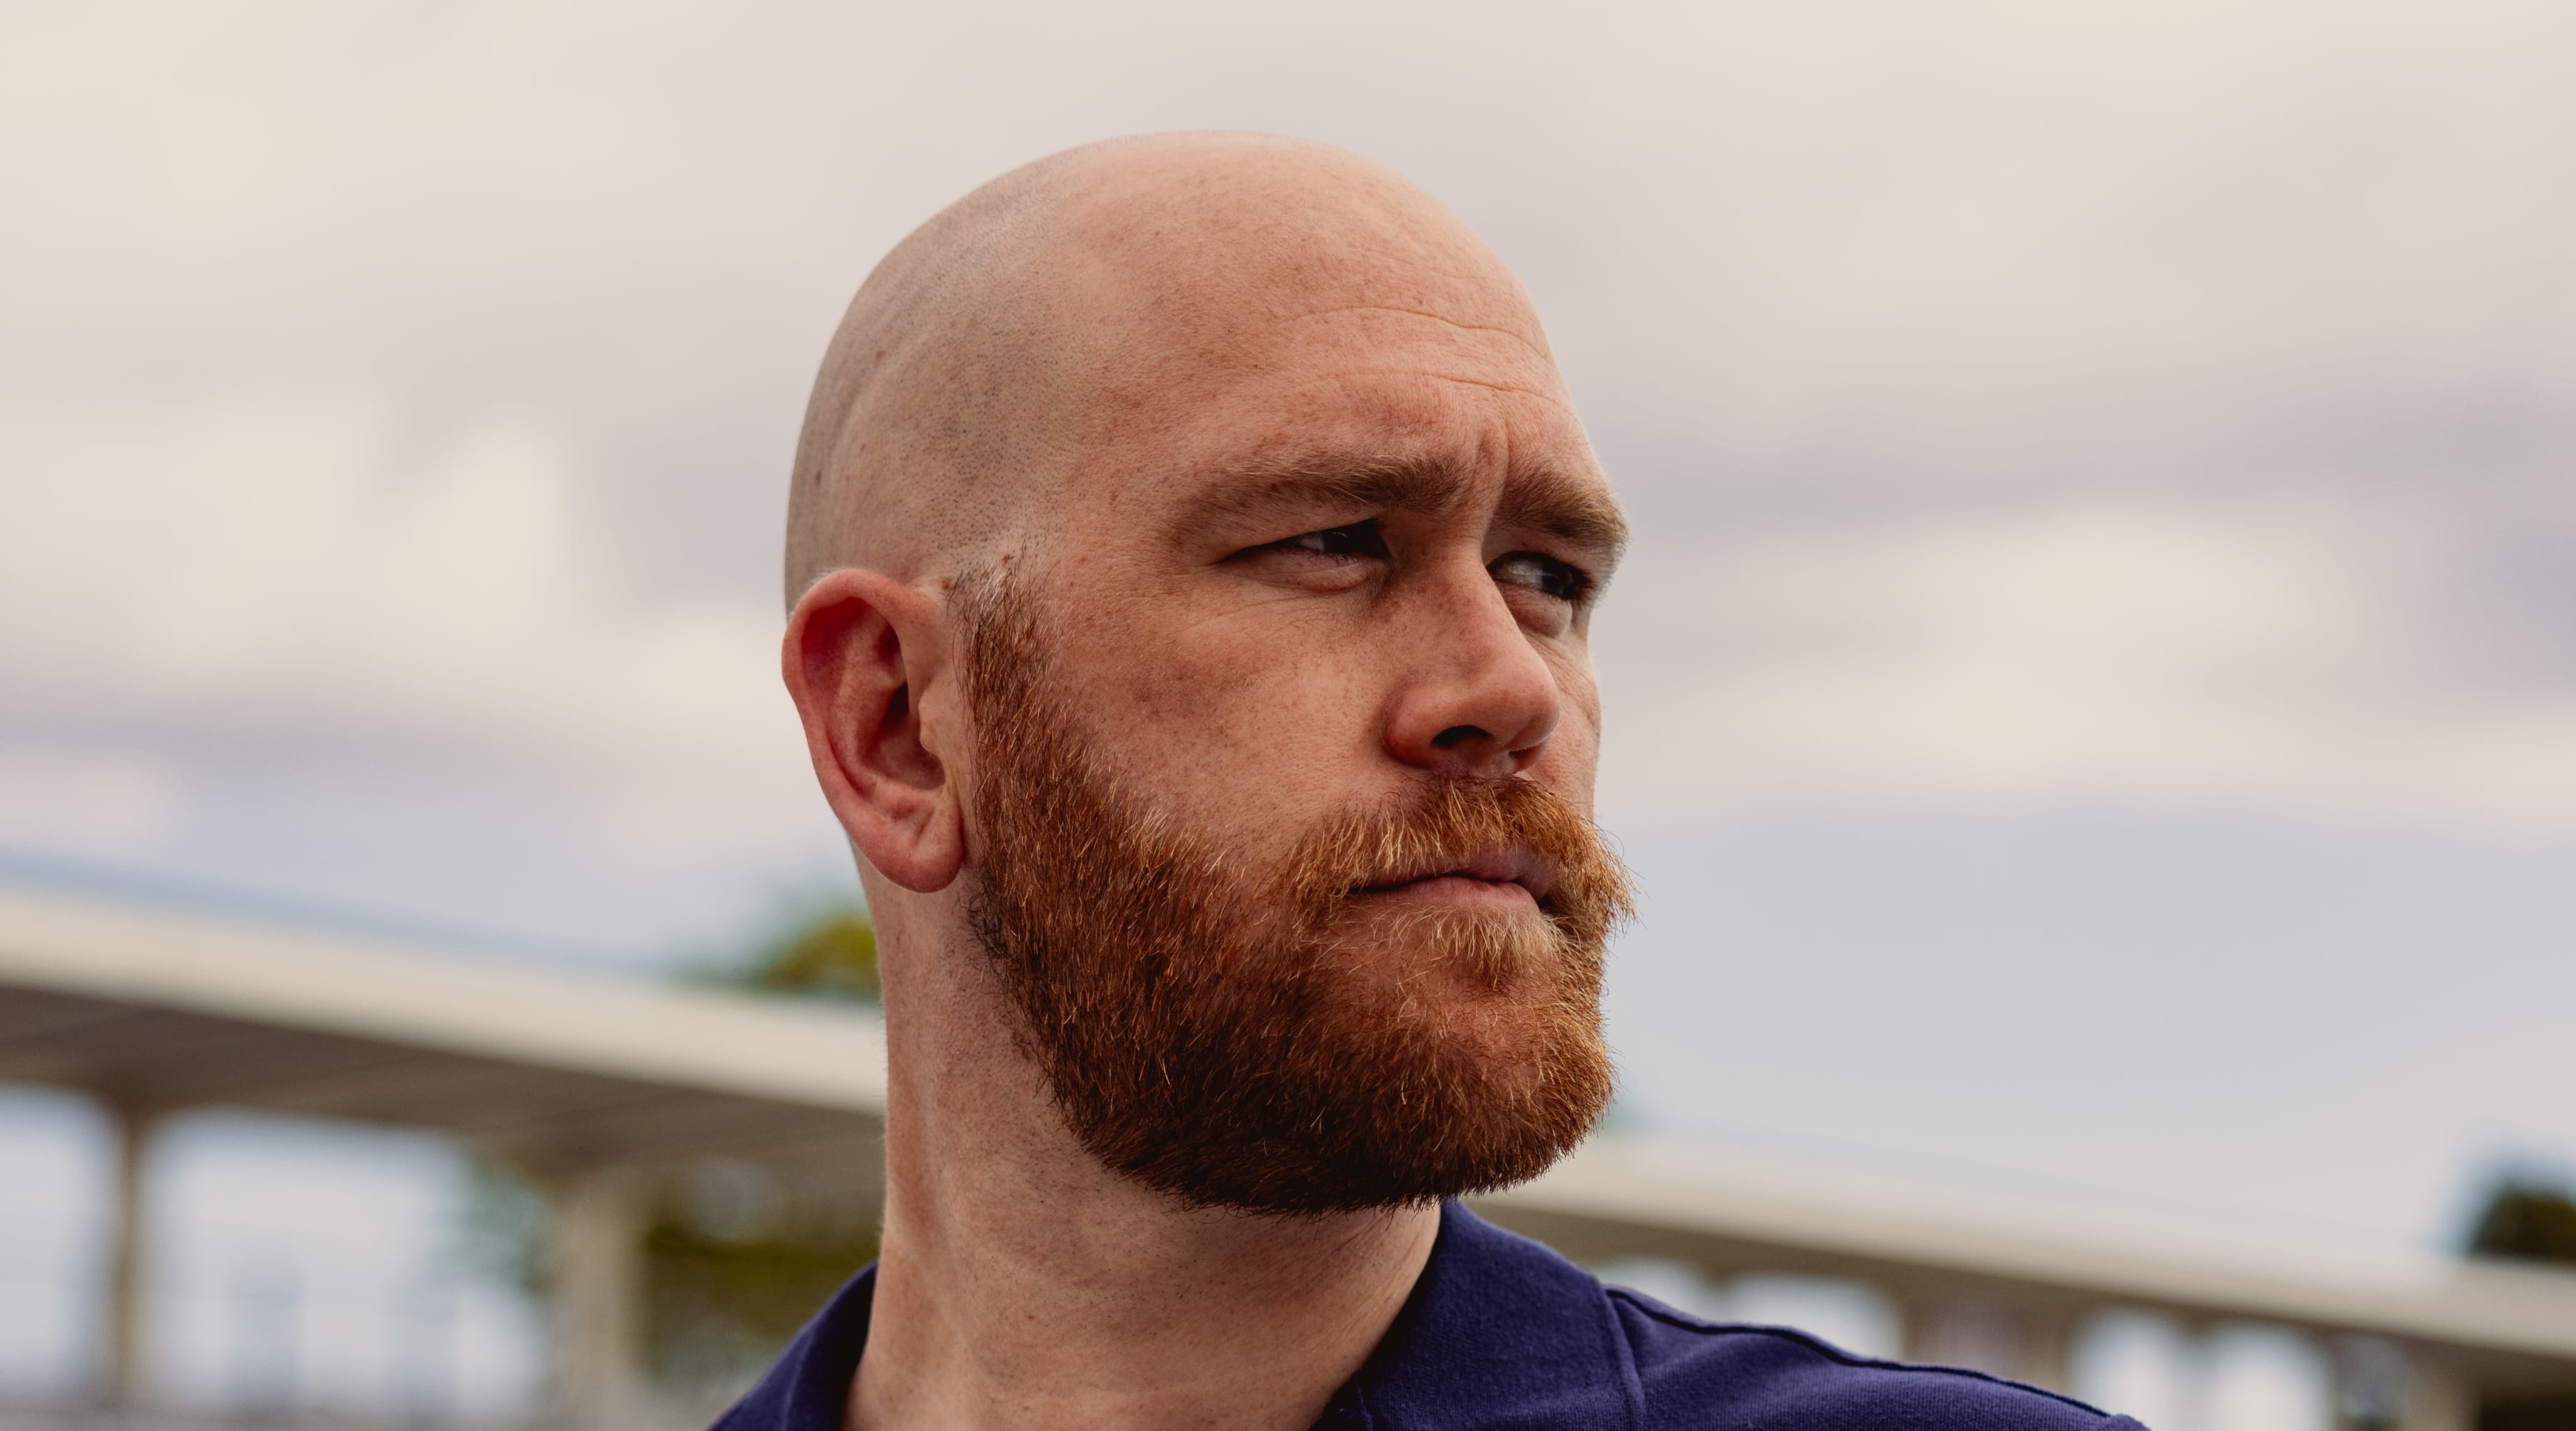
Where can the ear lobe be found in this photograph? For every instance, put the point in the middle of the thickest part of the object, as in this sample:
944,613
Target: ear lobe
859,649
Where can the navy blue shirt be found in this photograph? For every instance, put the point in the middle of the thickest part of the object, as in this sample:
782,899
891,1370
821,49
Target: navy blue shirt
1502,1333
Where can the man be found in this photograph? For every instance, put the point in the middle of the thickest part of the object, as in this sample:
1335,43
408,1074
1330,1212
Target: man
1192,551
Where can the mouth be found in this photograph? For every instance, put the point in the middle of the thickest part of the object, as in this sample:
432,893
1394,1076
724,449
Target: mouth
1510,876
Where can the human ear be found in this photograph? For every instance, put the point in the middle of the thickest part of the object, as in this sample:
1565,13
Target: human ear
858,651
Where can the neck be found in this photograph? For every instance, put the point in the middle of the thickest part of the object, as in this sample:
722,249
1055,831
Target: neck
1020,1283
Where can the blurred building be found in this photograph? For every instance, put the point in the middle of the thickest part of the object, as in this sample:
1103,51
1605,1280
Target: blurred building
602,1093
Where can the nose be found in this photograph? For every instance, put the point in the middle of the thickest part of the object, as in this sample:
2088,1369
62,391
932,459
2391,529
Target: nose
1476,697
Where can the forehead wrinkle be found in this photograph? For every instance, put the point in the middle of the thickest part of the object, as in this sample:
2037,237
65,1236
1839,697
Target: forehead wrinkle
1515,389
1461,325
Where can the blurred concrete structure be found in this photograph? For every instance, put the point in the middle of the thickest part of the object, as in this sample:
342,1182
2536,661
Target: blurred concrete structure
584,1082
2422,1348
595,1084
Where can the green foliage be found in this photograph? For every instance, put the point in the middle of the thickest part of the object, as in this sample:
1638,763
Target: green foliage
503,1231
2529,1218
719,1308
826,949
835,956
736,1259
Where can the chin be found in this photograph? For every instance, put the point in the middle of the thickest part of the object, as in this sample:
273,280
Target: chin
1501,1040
1482,955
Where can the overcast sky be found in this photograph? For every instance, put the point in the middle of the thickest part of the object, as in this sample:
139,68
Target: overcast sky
2094,700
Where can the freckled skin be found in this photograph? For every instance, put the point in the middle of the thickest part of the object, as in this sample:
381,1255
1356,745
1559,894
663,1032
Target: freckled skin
1044,380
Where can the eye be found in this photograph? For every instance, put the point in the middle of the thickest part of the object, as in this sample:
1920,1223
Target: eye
1543,574
1360,539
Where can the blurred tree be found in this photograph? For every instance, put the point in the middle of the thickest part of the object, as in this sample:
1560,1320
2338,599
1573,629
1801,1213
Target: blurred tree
737,1258
2528,1217
502,1234
829,951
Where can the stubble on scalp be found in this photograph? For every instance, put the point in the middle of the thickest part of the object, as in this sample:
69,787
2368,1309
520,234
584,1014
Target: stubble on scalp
1223,1035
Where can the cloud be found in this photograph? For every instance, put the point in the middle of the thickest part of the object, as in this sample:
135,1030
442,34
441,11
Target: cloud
2156,405
2134,655
262,577
85,802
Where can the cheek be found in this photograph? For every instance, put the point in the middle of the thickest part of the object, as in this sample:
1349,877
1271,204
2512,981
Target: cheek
1234,725
1569,767
1574,752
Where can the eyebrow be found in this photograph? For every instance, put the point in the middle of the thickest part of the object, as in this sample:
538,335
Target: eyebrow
1537,498
1322,479
1548,499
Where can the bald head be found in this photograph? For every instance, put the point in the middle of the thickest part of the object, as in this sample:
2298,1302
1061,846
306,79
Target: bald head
1073,316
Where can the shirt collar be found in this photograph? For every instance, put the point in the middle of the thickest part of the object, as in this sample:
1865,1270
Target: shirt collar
808,1389
1498,1331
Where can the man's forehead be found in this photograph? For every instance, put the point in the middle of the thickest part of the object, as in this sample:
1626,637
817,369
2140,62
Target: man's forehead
1249,314
1224,257
1140,310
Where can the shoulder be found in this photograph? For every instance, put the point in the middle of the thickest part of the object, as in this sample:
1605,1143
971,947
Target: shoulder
1753,1378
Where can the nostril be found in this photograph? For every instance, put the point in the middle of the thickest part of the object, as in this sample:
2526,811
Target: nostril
1458,735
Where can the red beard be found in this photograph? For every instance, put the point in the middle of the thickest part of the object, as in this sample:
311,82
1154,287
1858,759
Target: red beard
1263,1041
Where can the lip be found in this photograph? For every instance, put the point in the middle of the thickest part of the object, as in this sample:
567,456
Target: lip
1489,867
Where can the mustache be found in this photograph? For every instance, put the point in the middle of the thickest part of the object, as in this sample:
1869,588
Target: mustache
1485,827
